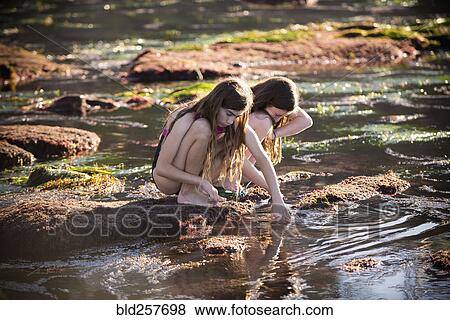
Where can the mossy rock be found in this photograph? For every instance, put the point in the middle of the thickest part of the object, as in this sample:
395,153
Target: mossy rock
353,189
43,174
183,94
86,186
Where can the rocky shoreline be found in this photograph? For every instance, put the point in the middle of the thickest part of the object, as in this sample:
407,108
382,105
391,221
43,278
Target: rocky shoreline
54,222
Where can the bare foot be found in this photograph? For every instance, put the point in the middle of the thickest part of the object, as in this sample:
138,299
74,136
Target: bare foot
191,195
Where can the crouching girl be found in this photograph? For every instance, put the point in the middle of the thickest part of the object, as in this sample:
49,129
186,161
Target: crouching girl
275,114
205,141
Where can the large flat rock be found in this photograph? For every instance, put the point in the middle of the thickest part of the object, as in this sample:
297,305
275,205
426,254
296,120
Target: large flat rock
46,224
50,142
324,50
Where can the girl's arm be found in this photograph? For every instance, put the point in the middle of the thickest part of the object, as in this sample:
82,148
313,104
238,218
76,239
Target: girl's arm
255,147
250,172
299,121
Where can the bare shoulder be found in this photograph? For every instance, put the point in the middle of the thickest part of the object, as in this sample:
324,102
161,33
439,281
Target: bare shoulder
259,119
260,116
186,119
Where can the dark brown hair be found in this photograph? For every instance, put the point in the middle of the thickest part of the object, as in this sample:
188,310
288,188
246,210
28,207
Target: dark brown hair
232,94
281,93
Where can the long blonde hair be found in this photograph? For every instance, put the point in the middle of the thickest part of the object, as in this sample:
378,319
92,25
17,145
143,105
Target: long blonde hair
283,94
232,94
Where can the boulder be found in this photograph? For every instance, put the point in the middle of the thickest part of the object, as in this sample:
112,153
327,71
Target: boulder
19,66
50,142
11,155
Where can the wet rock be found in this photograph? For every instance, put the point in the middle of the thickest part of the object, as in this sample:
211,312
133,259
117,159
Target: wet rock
42,174
19,66
360,264
50,142
441,260
50,223
90,186
295,176
222,245
195,227
138,103
259,57
11,155
82,181
256,194
353,189
152,65
81,106
306,3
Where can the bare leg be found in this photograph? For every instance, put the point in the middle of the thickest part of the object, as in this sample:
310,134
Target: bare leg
194,164
196,132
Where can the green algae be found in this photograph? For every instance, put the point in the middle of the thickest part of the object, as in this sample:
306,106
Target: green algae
43,174
98,183
188,92
290,33
323,109
83,180
423,33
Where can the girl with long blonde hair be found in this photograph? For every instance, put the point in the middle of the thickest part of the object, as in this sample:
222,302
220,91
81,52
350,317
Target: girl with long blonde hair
205,141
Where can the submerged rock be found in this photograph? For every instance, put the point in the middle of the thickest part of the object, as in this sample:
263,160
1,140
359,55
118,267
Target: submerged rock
222,245
441,260
50,142
360,264
11,155
19,66
353,189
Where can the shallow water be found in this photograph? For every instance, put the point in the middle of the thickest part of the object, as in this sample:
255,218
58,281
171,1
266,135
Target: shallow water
365,123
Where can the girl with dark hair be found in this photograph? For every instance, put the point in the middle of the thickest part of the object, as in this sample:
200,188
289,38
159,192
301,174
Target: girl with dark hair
205,141
275,114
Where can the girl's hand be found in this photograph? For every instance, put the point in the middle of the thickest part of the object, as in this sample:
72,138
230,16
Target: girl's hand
208,189
280,213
